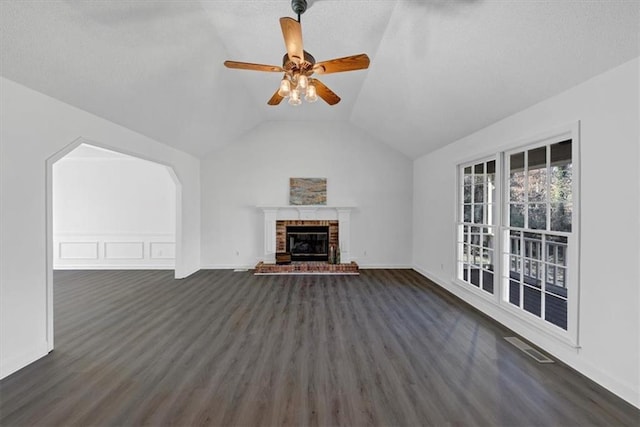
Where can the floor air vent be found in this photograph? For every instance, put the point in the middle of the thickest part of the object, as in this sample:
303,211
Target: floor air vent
523,346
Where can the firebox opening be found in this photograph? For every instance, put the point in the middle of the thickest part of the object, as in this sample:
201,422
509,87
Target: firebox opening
308,243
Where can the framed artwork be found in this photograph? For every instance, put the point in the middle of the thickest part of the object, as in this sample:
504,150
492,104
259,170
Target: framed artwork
307,191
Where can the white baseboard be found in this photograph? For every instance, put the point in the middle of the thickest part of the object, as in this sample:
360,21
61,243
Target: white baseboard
15,363
250,267
114,267
227,266
384,266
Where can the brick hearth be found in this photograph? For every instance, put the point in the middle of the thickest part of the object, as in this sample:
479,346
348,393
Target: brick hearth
312,267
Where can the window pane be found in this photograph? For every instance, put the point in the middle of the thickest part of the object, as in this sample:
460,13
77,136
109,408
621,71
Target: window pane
556,310
537,181
555,289
533,273
550,273
560,184
538,216
475,255
487,259
478,193
467,176
561,153
515,266
561,216
487,240
465,253
487,281
516,178
516,215
561,172
514,292
478,216
478,173
515,242
561,277
556,246
467,213
475,276
475,236
532,300
537,158
467,194
533,245
517,162
491,181
491,167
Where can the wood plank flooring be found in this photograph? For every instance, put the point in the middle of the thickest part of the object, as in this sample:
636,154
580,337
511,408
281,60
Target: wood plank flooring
222,348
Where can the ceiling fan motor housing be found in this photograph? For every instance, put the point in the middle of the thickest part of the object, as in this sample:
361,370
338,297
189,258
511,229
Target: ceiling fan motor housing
299,6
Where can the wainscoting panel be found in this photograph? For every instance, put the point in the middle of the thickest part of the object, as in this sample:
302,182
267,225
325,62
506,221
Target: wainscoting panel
124,250
163,250
78,250
113,251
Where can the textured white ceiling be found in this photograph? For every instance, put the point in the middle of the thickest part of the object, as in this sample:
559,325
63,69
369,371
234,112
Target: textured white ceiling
440,69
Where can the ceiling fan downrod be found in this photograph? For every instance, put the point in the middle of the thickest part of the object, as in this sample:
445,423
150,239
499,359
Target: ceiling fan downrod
299,7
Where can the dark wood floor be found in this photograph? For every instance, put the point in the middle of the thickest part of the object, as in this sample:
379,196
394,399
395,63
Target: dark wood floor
223,348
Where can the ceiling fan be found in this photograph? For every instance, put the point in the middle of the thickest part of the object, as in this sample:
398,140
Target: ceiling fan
299,65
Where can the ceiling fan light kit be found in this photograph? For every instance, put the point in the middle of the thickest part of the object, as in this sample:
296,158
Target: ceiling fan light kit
299,65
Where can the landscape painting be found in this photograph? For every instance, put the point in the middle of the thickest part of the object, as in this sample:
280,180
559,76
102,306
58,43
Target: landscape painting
308,191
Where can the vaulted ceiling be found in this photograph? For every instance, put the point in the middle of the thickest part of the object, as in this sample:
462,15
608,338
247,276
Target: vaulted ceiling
440,69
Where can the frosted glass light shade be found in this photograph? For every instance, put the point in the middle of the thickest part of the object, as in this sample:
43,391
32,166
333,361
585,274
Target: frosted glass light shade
311,95
285,88
294,97
303,81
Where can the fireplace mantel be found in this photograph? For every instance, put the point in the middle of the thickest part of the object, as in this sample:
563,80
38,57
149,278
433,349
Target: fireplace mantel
299,212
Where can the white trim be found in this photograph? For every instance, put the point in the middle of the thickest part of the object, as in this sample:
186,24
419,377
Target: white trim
116,267
384,266
570,336
361,267
228,266
48,266
169,236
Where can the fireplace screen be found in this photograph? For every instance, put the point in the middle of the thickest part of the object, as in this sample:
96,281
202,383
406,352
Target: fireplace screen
308,243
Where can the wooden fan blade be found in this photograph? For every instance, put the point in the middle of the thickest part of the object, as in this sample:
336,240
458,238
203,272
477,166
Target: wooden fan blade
348,63
292,33
275,99
253,67
325,93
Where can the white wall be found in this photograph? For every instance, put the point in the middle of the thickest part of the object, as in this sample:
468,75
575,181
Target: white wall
607,107
112,211
255,171
33,128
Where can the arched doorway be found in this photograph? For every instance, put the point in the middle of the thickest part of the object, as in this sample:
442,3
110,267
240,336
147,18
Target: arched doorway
101,186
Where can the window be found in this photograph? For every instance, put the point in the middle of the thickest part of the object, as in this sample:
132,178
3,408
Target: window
476,233
536,236
527,197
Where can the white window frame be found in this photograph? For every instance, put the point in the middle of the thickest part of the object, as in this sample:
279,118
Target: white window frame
570,336
496,231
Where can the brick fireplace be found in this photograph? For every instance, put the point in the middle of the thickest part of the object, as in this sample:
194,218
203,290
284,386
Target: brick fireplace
276,219
281,231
